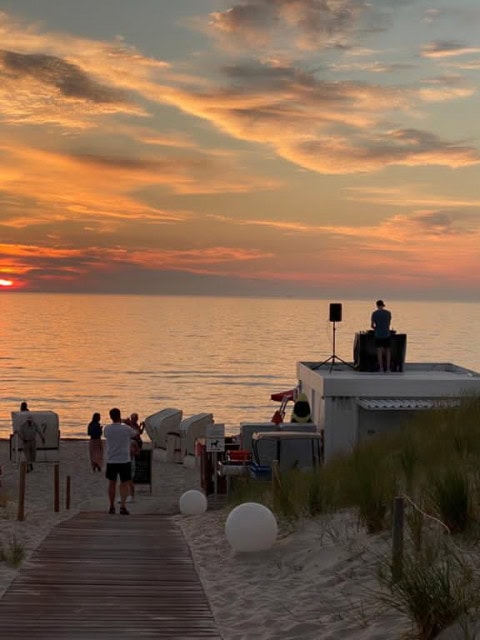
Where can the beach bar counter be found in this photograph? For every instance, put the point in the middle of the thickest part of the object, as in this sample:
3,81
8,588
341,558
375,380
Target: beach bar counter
351,406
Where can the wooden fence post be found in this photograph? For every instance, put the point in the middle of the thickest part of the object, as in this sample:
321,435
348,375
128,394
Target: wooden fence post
21,491
56,487
397,538
67,493
275,479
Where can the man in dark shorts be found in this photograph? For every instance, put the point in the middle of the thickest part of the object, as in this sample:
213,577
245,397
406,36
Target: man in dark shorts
118,436
381,319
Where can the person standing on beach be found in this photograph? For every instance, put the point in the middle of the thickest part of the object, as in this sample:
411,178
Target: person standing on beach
139,427
135,448
94,430
134,452
381,319
118,436
27,433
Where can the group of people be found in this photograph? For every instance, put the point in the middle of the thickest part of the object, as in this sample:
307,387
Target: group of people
123,440
123,444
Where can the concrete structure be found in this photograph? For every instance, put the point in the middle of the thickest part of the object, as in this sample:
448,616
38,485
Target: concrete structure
351,406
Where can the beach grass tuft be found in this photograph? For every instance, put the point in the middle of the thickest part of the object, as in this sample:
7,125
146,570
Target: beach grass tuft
438,586
249,490
451,497
13,552
4,500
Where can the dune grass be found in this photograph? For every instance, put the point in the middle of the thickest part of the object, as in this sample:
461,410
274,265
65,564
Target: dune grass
434,462
13,552
439,585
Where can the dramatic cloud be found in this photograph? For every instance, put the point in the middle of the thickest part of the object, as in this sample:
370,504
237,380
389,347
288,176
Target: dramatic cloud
309,22
421,242
80,186
39,263
69,79
119,166
329,127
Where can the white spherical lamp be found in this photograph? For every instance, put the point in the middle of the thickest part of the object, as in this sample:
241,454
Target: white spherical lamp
193,503
251,527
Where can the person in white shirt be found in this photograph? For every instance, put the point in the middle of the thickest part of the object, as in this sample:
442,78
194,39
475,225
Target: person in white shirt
118,436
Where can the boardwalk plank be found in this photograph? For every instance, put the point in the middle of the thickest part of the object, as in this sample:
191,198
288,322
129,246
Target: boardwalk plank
105,577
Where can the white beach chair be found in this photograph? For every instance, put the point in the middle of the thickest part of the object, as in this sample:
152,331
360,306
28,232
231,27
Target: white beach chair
193,428
48,423
159,425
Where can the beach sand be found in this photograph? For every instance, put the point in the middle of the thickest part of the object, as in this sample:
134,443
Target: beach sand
317,582
88,493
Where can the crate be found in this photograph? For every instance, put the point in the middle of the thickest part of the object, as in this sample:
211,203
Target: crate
260,471
240,455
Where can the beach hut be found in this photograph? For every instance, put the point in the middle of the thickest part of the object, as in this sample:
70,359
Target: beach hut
352,406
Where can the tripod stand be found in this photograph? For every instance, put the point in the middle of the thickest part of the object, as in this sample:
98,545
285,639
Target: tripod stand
334,358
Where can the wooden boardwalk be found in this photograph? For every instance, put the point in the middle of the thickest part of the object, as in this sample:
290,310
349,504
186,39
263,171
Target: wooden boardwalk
99,576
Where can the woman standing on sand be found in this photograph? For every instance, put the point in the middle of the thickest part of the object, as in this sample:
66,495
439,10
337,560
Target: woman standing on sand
96,445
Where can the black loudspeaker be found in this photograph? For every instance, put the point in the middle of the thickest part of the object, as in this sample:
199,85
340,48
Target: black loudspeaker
335,312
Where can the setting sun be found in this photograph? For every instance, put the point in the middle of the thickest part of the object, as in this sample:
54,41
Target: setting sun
5,283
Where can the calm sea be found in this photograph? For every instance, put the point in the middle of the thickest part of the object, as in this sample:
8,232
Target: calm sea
76,354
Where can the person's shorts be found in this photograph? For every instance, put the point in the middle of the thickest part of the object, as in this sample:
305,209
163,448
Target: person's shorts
382,342
122,469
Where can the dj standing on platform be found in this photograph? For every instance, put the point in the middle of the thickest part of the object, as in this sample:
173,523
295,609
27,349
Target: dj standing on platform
381,319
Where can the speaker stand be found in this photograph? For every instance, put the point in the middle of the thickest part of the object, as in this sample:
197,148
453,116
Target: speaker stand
333,359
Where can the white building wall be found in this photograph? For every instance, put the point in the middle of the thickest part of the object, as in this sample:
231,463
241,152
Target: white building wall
341,425
312,386
333,397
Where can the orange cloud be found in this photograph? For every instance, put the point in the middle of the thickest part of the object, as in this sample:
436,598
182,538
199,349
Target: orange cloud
331,128
447,49
196,260
87,159
328,127
64,186
411,247
26,264
309,23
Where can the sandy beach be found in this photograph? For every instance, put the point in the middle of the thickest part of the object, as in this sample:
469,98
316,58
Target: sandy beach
317,581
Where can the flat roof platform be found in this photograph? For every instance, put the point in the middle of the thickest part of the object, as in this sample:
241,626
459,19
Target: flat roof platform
417,379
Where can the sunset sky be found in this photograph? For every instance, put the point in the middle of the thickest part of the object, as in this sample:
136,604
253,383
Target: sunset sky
243,147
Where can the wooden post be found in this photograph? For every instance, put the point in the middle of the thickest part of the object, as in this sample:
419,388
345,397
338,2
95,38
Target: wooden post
275,479
397,538
67,493
21,491
215,473
56,487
